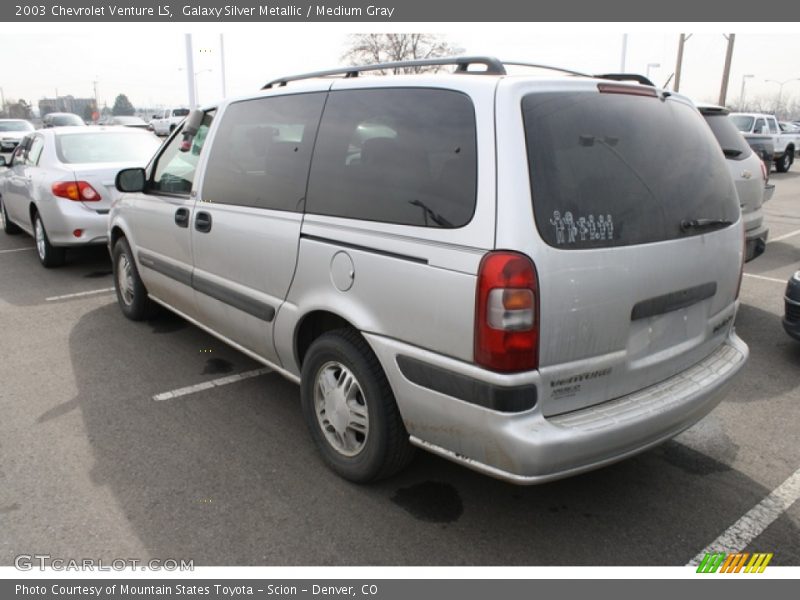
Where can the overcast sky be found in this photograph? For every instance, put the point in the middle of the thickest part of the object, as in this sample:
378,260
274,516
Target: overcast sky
147,61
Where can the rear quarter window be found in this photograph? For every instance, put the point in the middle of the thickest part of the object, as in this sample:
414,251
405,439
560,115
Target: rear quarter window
617,169
405,156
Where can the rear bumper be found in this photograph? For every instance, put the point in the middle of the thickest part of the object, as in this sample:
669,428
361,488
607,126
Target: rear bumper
756,242
529,448
62,217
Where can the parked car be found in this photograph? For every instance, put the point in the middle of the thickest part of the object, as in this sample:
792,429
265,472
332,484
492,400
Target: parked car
57,119
164,123
60,185
503,270
11,133
749,174
785,146
791,299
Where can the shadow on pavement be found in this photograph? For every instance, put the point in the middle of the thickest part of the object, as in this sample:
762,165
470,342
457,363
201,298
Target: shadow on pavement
230,476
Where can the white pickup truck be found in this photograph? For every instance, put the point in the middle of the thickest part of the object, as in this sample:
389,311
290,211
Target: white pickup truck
787,144
166,120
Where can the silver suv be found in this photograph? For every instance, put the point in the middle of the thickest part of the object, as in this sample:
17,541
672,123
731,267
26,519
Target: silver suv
530,276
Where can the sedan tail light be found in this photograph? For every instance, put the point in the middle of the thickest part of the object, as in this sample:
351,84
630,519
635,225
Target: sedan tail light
507,313
79,191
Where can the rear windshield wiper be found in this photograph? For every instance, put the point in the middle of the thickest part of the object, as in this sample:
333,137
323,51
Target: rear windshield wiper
703,224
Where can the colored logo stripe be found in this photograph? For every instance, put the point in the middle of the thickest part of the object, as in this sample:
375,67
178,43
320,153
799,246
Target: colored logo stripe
734,563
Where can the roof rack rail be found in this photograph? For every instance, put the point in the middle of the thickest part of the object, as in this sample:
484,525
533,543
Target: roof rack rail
626,77
493,67
547,67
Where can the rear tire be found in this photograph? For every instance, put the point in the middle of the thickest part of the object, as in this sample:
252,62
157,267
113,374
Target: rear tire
784,162
50,256
131,294
9,227
350,409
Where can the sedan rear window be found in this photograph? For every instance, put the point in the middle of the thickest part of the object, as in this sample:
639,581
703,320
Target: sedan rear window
620,169
106,147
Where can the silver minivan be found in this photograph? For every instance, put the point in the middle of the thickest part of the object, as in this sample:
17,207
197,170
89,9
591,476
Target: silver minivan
530,276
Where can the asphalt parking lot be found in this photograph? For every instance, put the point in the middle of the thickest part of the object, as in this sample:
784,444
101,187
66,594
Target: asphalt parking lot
95,463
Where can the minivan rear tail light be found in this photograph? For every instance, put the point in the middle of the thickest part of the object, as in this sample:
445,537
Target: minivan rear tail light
764,173
507,313
79,191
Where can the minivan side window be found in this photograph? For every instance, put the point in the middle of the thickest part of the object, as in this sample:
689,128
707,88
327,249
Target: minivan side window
262,152
174,170
404,155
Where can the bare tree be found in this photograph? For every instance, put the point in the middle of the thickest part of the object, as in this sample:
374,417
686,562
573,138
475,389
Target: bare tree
368,48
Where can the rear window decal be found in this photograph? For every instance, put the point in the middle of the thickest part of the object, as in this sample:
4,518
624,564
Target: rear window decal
569,229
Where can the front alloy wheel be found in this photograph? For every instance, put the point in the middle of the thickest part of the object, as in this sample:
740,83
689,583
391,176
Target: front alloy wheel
125,279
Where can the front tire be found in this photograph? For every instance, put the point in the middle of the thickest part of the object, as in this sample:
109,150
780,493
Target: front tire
50,256
9,227
131,294
350,409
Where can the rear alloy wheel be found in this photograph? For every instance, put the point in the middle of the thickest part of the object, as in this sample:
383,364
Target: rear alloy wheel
49,255
131,293
9,227
784,162
350,409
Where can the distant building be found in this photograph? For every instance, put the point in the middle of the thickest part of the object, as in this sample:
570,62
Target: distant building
66,104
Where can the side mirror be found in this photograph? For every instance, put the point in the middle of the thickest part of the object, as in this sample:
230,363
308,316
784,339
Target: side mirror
130,180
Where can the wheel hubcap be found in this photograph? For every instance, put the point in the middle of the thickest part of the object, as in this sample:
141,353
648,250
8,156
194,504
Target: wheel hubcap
125,279
341,408
40,241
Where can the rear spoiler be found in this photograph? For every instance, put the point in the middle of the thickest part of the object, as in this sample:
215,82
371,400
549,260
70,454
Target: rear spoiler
626,77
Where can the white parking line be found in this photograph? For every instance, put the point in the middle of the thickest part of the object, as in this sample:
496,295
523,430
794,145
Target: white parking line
772,279
784,236
739,535
207,385
17,250
79,294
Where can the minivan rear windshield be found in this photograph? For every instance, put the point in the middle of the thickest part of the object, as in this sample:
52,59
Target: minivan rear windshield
733,145
618,169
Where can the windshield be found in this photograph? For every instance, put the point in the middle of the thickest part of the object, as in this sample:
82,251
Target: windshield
733,145
743,123
106,147
618,169
15,126
180,112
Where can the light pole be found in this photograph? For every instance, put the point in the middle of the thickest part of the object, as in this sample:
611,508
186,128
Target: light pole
741,96
780,90
656,65
196,91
